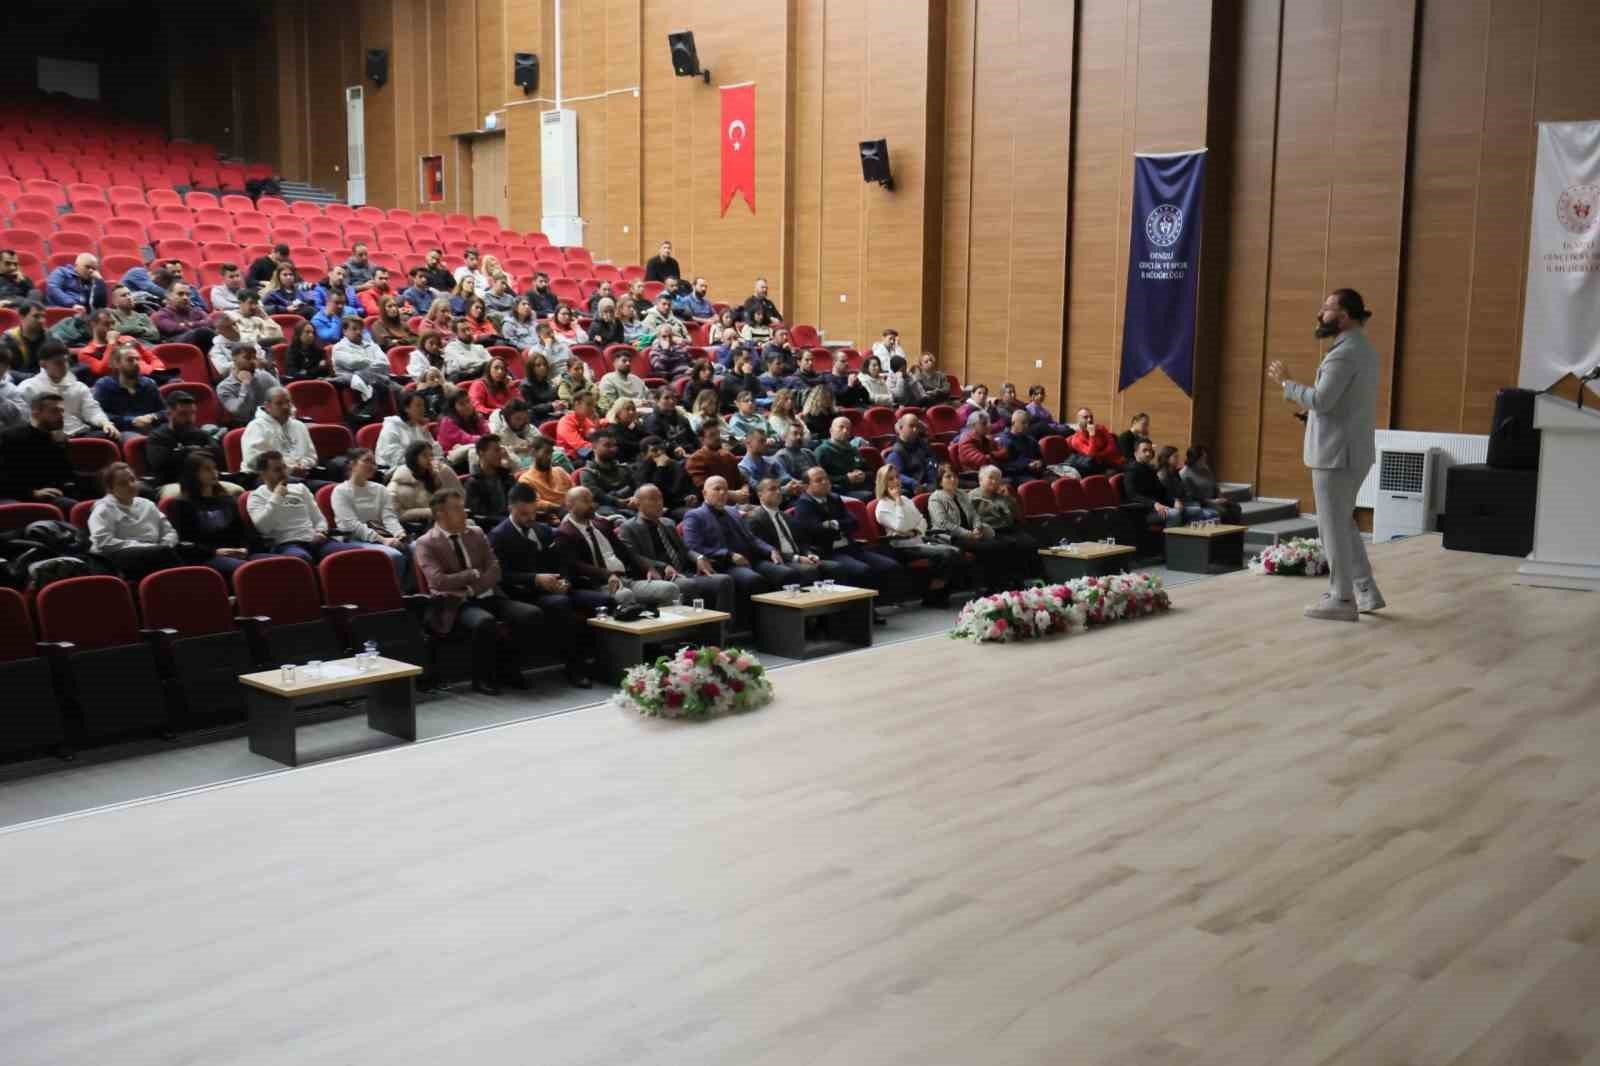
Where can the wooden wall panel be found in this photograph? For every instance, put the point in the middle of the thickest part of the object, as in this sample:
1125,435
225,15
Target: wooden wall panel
844,194
956,236
994,102
1245,91
809,55
383,103
620,170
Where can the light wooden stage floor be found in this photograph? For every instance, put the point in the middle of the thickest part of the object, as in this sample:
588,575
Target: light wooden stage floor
1228,835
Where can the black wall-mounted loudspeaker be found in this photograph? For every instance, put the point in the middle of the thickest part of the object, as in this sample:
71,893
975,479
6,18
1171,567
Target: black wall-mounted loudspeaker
377,66
875,163
685,60
527,72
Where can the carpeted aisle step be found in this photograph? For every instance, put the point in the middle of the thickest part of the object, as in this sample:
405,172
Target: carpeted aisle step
1268,509
1265,534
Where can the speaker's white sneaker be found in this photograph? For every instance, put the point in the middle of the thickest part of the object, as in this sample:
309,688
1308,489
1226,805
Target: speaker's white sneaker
1369,599
1329,609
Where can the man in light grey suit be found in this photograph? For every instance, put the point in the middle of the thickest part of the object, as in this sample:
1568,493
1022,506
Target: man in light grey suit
1340,448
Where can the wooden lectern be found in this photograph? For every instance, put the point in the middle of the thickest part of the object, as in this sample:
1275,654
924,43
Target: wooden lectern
1566,529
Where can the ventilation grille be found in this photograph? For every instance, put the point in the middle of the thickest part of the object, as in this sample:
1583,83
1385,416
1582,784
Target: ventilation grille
1402,472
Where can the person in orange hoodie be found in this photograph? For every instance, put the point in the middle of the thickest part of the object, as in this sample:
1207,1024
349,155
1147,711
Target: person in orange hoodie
574,427
92,356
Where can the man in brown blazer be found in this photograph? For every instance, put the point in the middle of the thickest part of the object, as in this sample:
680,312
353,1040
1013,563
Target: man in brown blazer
463,577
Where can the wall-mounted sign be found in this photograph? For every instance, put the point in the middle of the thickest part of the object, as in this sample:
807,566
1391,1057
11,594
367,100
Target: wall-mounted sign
432,179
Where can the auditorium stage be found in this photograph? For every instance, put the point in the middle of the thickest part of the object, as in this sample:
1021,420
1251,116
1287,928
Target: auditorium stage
1226,835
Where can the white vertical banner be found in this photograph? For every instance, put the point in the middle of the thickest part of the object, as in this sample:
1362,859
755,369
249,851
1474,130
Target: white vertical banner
1561,321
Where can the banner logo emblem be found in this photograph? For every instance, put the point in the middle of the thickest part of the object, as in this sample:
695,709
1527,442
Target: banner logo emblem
1578,208
1164,225
736,135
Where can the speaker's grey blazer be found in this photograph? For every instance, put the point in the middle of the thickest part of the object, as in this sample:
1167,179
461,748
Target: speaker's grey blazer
1341,424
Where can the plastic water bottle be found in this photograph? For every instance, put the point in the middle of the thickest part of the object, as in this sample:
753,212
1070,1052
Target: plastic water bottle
369,655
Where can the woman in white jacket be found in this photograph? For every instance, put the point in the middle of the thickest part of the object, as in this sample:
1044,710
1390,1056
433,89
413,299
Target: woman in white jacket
363,513
401,431
129,531
905,530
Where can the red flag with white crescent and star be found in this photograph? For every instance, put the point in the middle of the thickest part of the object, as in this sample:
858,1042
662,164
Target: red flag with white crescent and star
739,143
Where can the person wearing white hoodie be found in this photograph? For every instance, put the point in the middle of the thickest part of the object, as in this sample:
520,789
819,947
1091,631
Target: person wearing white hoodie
401,431
276,429
81,413
359,356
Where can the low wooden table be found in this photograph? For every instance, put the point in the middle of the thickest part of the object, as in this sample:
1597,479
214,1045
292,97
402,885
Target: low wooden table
389,686
781,620
1090,559
622,644
1205,549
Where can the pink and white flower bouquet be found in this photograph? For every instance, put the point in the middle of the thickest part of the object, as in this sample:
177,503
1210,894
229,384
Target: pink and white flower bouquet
1301,556
1072,607
697,683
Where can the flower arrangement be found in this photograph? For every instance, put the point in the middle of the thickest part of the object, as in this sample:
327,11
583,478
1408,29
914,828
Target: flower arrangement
696,683
1302,556
1072,607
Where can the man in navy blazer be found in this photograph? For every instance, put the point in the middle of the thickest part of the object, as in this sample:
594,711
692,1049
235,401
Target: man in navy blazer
821,518
531,571
718,532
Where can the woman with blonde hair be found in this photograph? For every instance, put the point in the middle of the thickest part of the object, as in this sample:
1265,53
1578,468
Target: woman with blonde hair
704,410
439,319
626,425
905,531
819,412
782,414
462,295
633,331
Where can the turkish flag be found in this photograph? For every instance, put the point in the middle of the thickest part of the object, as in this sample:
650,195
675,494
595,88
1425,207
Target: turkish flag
739,144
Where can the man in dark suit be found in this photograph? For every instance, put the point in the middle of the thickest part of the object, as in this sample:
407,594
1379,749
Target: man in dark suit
1142,485
655,539
770,524
1138,430
531,571
598,559
463,576
716,531
827,525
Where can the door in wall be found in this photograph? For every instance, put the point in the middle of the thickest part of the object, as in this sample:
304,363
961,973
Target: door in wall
489,176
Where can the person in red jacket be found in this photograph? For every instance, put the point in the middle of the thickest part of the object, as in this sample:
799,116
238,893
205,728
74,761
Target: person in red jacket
976,448
1096,443
574,427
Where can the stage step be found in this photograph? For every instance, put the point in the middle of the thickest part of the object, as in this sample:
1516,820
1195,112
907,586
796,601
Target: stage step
1268,533
1268,509
299,190
1237,491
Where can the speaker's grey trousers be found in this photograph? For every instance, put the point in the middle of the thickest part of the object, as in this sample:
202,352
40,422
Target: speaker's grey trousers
1335,492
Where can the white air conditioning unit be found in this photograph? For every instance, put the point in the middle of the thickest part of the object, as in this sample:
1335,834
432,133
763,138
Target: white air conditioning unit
558,171
1404,500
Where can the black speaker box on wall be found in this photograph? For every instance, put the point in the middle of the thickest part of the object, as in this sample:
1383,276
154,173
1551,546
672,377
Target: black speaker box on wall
527,72
377,66
875,163
1489,510
1513,442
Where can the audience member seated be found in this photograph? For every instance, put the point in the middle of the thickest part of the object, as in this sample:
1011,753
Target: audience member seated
550,481
818,413
129,399
513,425
741,379
460,429
632,328
794,459
839,456
977,402
826,525
493,390
758,301
654,538
253,324
800,363
363,513
1138,431
532,571
952,514
286,296
94,358
76,285
911,458
1200,483
747,417
670,424
627,425
1142,486
757,465
15,286
335,284
784,412
662,265
712,460
906,533
931,381
367,368
358,269
304,357
539,389
565,325
888,347
329,319
1169,468
244,392
540,298
82,414
489,489
573,380
370,296
427,355
464,357
1044,422
275,429
418,296
206,514
24,341
180,321
391,329
660,319
776,379
128,320
768,522
975,447
656,466
463,578
574,428
286,514
169,445
1024,460
1000,410
695,303
264,269
13,401
482,327
520,326
1095,444
127,530
717,532
413,483
874,385
605,329
602,292
34,466
999,509
439,280
608,480
845,384
704,410
622,382
599,559
757,328
224,295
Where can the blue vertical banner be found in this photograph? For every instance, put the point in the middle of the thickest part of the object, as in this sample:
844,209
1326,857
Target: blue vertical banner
1158,320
